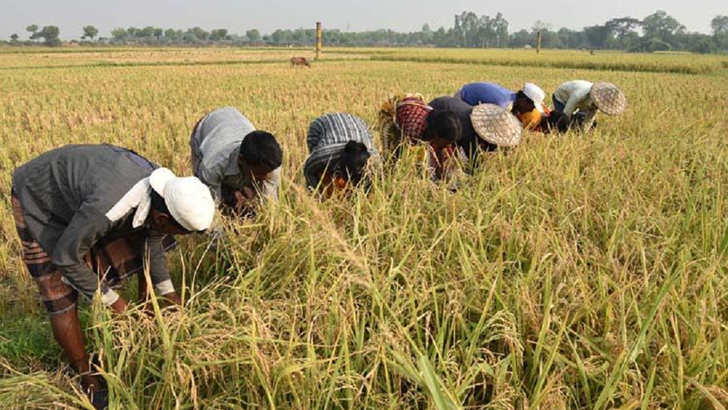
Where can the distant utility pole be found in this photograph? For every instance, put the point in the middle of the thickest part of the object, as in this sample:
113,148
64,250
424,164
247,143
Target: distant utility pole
319,40
538,42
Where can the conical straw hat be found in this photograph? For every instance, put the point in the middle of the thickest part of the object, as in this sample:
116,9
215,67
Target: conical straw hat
496,125
608,98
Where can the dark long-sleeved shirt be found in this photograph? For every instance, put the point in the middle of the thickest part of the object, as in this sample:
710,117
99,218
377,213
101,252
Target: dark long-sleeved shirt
469,139
71,198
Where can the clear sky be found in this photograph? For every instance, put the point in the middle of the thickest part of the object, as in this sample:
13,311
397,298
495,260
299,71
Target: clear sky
355,15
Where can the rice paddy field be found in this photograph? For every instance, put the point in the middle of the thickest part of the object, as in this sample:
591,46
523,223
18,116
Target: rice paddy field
572,272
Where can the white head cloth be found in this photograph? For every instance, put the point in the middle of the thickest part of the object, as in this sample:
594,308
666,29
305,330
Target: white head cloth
536,94
188,200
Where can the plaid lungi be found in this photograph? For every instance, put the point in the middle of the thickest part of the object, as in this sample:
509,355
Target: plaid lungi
112,259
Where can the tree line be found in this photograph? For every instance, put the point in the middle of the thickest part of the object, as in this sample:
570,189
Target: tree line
656,32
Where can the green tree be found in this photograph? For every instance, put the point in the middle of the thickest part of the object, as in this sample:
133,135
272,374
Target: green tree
50,35
540,26
655,44
719,25
522,38
89,32
172,34
33,30
427,34
661,26
282,36
14,37
219,34
500,28
572,39
253,35
200,33
703,44
146,32
597,36
624,30
119,34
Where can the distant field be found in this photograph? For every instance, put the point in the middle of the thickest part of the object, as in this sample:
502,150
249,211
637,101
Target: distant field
43,58
600,60
566,59
573,272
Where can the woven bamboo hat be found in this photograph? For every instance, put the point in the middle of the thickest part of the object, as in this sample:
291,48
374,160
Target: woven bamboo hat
608,98
496,125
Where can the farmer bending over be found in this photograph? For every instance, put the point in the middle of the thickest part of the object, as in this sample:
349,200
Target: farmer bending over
340,147
582,98
404,119
89,216
236,161
526,104
469,141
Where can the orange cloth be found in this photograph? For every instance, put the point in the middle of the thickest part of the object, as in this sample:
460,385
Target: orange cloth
530,120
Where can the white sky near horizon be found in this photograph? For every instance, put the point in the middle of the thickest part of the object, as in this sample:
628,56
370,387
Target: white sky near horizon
349,15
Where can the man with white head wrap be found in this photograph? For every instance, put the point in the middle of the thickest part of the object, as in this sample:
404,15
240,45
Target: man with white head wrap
91,215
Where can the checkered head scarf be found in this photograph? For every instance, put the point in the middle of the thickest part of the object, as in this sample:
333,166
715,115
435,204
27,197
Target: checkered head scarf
411,117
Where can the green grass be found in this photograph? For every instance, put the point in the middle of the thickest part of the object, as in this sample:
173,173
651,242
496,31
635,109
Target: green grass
582,272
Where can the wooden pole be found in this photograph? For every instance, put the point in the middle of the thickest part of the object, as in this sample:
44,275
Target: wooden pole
319,40
538,42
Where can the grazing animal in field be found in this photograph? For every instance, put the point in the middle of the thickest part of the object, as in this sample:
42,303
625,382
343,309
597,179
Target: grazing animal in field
300,61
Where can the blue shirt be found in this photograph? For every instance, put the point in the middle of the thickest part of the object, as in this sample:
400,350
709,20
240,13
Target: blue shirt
487,93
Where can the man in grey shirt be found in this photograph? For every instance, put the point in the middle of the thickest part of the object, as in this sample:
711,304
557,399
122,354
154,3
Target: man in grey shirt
237,162
90,215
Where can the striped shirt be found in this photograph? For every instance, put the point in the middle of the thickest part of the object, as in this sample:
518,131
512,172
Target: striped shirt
326,139
215,148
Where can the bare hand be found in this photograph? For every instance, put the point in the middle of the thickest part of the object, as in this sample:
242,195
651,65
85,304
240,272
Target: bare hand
243,199
119,306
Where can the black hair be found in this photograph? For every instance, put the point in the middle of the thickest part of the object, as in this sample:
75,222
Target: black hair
578,120
443,124
160,206
486,146
260,149
558,122
521,96
555,122
353,161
